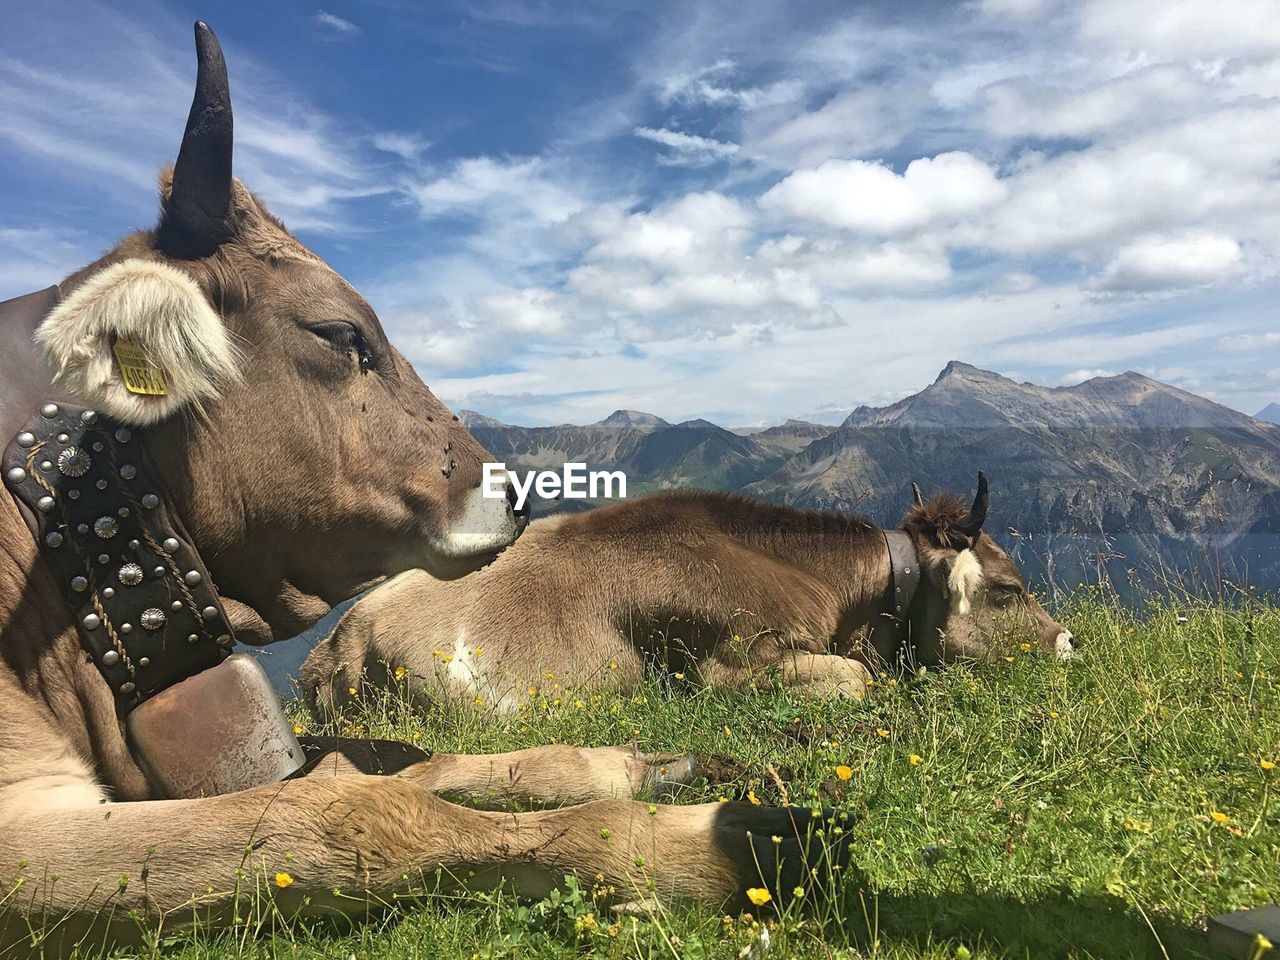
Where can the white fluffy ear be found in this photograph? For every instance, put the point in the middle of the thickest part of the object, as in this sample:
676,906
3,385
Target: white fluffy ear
964,580
157,307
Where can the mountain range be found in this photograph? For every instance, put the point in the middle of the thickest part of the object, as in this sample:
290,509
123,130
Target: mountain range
1124,479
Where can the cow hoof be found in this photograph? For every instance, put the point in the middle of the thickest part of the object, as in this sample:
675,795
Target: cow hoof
668,775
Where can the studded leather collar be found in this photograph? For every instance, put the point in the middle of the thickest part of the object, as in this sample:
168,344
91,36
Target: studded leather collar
144,605
904,581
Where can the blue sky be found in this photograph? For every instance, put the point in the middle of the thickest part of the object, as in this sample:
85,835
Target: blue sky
744,211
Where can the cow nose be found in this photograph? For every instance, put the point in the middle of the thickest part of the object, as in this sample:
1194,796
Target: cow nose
521,513
1065,645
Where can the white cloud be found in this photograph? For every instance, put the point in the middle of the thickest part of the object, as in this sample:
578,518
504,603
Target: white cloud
852,124
713,86
870,198
408,146
687,147
1022,107
1073,377
1182,29
1012,8
335,25
1157,263
531,311
1250,341
520,186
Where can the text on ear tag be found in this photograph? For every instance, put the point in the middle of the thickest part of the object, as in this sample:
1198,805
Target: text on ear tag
140,375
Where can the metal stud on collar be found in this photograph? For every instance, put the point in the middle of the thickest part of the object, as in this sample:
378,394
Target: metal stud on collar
67,467
74,462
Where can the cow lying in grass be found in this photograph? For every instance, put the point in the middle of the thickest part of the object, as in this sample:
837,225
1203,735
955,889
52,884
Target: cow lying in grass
273,428
712,586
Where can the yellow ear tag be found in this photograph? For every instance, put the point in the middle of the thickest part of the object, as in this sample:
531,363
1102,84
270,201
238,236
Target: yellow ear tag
140,375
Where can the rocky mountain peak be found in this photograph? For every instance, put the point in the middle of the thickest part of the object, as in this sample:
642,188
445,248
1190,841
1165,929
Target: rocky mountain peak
633,420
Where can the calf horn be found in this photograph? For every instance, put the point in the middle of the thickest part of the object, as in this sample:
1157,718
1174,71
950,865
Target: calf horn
915,490
971,525
200,202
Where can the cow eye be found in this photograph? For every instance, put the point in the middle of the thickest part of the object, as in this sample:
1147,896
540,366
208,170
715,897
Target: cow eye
346,337
1002,596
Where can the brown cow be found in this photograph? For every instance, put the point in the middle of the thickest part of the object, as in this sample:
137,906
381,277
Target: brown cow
307,461
714,585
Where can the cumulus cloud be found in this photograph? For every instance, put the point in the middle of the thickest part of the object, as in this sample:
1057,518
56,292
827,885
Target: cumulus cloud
870,198
1073,377
1157,263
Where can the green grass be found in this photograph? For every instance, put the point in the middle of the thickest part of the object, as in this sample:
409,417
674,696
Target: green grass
1055,809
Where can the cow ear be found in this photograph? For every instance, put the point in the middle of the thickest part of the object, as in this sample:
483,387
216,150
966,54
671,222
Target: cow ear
139,341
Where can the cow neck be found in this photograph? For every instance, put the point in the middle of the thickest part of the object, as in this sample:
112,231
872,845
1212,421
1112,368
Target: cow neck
142,600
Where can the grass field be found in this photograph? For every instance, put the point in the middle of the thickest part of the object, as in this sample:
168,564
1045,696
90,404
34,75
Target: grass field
1103,807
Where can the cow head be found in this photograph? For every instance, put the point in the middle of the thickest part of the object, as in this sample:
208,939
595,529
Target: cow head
303,453
971,591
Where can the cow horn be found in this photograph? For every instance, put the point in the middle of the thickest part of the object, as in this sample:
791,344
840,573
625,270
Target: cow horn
200,202
971,525
915,490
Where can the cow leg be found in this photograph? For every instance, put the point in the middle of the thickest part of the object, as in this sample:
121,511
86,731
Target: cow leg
551,775
555,774
813,674
343,844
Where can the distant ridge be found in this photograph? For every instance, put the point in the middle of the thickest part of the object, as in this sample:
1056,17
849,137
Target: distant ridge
1269,414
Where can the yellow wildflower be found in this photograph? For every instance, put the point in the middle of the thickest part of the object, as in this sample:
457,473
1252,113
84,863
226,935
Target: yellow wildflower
844,772
882,733
613,664
283,880
727,731
351,690
1024,647
915,759
1267,764
1219,817
400,672
297,729
751,795
679,676
1053,714
759,896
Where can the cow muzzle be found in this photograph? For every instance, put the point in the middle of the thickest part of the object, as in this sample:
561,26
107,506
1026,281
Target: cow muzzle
481,525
